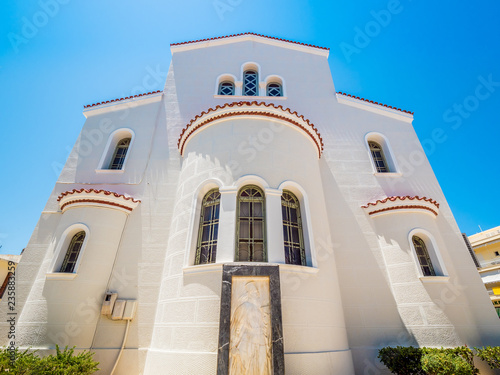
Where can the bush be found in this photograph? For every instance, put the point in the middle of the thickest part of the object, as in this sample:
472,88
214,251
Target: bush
453,361
402,360
490,355
63,363
428,361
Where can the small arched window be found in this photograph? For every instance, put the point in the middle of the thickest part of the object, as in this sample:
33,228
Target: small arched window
423,256
226,88
71,258
206,249
250,83
274,89
292,229
120,154
250,246
378,157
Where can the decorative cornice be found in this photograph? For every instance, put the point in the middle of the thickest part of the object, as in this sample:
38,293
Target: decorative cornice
120,99
99,198
398,203
249,109
254,34
372,102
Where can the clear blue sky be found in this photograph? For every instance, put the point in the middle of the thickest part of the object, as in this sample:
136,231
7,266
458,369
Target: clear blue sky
427,57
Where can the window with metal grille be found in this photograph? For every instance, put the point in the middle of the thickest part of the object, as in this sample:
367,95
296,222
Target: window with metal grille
120,154
69,262
250,83
292,229
206,249
274,89
250,246
423,256
378,157
226,88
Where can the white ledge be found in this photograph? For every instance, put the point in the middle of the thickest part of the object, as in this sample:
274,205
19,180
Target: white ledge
387,174
434,279
217,267
203,268
250,98
111,171
293,268
60,276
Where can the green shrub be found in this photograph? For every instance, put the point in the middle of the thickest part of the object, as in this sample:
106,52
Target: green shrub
428,361
65,362
453,361
402,360
490,354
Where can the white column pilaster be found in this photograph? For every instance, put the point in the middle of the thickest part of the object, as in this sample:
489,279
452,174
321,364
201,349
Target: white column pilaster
227,225
274,226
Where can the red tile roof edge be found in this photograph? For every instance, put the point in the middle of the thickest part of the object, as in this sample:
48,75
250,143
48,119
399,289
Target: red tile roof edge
402,198
372,102
120,99
253,103
88,191
255,34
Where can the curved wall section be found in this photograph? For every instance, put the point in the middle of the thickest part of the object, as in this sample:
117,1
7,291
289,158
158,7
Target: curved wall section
68,303
250,109
229,153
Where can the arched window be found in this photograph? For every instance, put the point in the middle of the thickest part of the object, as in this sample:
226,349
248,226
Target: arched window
423,256
250,83
292,229
226,88
250,246
274,89
120,154
378,157
206,249
69,262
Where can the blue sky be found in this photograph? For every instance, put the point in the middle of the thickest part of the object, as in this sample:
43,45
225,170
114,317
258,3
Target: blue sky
438,59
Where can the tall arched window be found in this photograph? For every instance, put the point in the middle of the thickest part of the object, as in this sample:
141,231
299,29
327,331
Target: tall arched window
69,262
274,89
226,88
250,83
378,157
423,256
120,154
206,249
250,246
292,229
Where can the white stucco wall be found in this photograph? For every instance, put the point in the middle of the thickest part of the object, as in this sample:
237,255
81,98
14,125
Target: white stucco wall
361,288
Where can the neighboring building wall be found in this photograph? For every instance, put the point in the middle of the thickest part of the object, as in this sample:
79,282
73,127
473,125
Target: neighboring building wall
486,246
8,264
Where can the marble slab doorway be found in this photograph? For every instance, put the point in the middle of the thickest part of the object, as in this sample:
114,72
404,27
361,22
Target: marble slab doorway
250,328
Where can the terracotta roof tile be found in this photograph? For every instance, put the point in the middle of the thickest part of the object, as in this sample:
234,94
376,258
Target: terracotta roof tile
106,192
255,34
120,99
402,198
320,145
372,102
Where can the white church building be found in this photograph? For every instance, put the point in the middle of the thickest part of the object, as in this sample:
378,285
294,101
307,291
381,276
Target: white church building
247,219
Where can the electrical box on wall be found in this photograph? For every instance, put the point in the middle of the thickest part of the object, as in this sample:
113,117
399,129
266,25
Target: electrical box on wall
130,308
108,303
118,309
